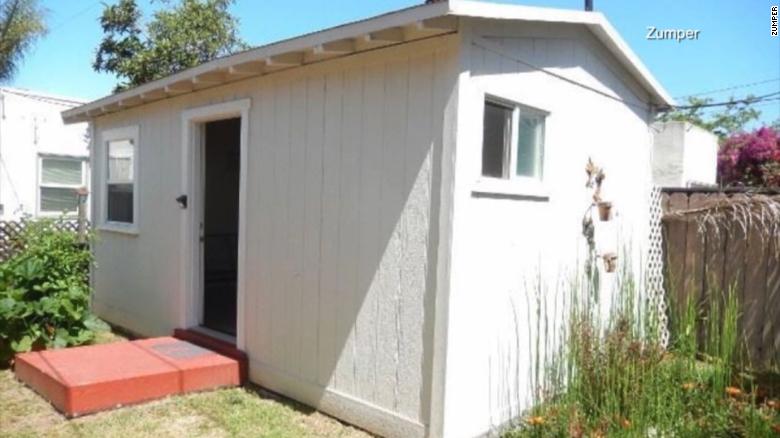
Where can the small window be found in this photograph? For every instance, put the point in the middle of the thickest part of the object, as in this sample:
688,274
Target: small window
60,179
512,141
120,181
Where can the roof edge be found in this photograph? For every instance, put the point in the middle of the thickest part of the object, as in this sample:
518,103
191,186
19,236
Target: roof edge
379,31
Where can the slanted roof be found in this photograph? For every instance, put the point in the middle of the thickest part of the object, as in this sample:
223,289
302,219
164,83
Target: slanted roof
43,97
389,29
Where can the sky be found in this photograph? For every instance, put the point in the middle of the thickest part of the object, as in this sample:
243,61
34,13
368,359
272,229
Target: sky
734,46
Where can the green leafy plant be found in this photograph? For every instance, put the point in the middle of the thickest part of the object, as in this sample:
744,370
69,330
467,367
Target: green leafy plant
44,292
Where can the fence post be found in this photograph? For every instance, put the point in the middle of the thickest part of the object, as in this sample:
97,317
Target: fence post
82,192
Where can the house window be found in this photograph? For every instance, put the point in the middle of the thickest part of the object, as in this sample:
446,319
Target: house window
512,141
120,180
59,181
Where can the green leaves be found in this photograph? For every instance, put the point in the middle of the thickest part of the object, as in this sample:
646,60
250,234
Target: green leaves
44,293
21,23
176,38
23,344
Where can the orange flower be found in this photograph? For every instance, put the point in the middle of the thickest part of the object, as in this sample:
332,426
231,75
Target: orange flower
625,423
733,391
535,421
688,386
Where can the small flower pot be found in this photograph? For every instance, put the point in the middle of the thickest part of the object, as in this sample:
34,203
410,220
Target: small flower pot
610,262
605,211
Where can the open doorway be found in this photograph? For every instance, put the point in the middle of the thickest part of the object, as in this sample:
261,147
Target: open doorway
221,170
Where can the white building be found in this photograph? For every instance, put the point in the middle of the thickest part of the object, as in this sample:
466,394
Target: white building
42,161
371,199
684,155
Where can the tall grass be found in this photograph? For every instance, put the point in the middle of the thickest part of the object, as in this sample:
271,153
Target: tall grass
613,377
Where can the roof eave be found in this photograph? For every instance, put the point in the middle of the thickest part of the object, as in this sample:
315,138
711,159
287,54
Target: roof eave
385,30
393,28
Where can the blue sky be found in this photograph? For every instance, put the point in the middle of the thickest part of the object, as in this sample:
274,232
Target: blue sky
734,46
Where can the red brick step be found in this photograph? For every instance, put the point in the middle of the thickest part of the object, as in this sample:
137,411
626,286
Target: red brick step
217,345
83,380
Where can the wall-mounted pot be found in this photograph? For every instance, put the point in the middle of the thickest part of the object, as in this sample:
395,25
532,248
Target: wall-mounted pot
605,210
610,262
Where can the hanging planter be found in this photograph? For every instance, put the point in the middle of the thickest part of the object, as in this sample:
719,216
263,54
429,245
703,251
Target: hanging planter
610,262
605,210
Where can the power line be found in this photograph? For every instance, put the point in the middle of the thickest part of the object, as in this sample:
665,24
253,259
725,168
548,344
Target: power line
734,87
73,17
747,100
485,44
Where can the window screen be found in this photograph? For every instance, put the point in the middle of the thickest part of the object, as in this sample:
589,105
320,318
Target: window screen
529,144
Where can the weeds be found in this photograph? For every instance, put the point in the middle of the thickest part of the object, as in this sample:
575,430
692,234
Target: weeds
613,378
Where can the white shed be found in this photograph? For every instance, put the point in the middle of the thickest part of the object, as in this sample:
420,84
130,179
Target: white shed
42,161
356,208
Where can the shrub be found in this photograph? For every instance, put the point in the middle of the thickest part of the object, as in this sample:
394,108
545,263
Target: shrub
44,292
751,159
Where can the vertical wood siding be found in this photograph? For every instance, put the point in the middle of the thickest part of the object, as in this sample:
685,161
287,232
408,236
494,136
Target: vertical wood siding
505,246
339,213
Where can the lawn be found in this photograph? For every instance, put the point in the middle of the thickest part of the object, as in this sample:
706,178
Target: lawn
227,412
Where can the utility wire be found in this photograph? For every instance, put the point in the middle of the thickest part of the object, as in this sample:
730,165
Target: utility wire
487,45
735,87
747,100
73,17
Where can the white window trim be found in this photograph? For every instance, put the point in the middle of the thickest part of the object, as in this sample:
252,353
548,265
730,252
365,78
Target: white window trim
514,185
84,181
125,133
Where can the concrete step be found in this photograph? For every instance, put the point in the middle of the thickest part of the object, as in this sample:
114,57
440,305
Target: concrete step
88,379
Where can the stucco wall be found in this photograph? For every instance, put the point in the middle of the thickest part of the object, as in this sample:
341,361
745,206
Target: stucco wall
30,126
504,241
338,243
684,154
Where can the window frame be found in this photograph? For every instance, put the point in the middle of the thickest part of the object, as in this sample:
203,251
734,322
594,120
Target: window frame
39,211
130,133
513,184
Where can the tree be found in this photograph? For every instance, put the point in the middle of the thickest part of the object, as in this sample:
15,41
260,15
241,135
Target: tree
176,38
21,24
751,158
734,116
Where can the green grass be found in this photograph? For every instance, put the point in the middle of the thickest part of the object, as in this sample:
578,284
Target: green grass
236,412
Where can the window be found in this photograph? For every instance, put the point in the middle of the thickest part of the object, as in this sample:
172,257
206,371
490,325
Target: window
512,141
59,180
120,198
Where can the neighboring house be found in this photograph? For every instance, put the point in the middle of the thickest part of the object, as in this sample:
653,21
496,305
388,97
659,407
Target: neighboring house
684,155
42,161
360,209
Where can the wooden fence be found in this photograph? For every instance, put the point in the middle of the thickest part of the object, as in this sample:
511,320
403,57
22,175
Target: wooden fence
11,230
706,257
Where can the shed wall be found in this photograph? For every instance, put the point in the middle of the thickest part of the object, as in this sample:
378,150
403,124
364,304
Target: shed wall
341,174
513,252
